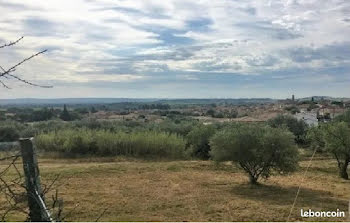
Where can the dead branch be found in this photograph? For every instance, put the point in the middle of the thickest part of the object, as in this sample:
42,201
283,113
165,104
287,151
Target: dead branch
29,83
4,85
9,72
14,191
20,63
11,43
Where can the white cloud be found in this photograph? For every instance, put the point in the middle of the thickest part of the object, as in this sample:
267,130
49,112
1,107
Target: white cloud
125,41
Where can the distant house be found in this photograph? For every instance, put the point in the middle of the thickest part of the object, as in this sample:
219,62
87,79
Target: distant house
347,104
9,115
309,118
325,113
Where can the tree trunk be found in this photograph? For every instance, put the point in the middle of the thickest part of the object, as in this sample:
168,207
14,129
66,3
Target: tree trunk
253,179
343,167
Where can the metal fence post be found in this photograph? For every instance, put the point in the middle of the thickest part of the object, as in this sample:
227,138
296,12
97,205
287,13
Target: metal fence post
37,209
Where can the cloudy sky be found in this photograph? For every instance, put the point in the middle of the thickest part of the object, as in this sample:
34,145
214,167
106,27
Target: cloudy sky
178,48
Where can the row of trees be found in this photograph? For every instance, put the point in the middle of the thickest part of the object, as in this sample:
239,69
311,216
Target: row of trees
43,114
261,149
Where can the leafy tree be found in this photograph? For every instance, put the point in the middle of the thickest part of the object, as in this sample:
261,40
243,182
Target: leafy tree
198,140
334,137
293,109
315,138
345,117
81,110
297,127
93,109
218,115
65,116
257,149
210,112
42,115
311,107
8,134
233,114
338,103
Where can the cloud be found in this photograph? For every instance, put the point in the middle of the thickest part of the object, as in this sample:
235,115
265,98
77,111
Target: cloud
179,44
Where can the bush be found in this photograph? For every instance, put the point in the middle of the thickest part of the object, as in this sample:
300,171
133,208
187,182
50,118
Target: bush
311,107
256,149
345,117
8,134
334,137
292,109
297,127
179,127
198,141
106,143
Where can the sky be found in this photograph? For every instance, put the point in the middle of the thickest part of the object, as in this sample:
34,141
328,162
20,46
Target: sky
177,48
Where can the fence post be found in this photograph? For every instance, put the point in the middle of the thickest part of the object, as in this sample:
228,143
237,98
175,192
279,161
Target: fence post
32,180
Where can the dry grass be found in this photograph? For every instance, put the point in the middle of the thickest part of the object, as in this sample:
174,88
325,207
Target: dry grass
190,191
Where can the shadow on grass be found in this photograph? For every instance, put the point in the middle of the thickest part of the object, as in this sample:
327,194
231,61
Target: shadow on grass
276,195
326,170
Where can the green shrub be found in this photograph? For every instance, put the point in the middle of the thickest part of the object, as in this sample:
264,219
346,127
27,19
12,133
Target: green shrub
106,143
345,117
292,109
297,127
334,137
8,134
198,141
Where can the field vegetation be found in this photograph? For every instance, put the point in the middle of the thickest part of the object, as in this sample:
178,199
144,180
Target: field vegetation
179,168
139,190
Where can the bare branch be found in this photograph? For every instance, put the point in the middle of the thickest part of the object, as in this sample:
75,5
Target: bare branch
29,83
20,79
47,188
4,85
11,43
18,64
13,190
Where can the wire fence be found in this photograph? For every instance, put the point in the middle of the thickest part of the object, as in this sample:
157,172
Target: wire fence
22,185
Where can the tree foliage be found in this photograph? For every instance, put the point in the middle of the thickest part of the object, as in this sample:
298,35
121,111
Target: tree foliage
297,127
345,117
334,137
8,134
257,149
65,116
198,141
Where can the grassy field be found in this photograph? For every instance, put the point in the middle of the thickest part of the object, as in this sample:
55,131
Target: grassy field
135,190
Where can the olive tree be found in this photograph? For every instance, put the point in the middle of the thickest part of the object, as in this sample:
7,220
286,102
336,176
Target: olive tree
297,127
345,117
257,149
198,141
334,138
